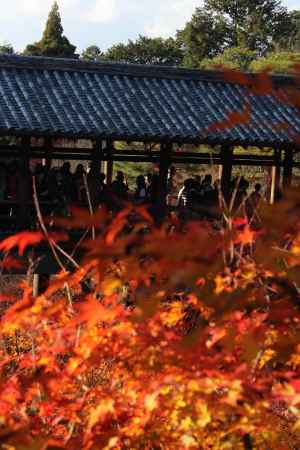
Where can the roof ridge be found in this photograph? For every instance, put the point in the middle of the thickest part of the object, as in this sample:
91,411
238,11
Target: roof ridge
123,69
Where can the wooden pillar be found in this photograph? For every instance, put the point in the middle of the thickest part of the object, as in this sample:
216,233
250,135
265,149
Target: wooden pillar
24,186
275,178
227,162
109,166
40,284
164,163
97,154
287,169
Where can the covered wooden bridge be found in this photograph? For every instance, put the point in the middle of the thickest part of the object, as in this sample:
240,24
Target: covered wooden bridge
46,104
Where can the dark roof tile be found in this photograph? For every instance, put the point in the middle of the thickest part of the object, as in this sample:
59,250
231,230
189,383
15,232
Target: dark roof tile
44,95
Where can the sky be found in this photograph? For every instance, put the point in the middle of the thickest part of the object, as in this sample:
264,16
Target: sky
99,22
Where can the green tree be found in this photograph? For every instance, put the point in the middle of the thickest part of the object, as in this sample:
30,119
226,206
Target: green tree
6,49
259,25
293,43
147,50
280,62
92,53
232,58
253,24
204,36
53,42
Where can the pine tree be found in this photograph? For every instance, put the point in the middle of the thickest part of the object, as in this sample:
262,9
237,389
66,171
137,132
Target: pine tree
53,42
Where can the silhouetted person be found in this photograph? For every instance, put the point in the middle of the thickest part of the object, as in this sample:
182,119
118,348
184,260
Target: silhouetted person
170,182
54,192
253,202
187,198
24,191
239,187
119,186
40,173
198,185
3,175
78,179
140,195
207,184
12,181
68,188
153,189
148,179
105,192
94,185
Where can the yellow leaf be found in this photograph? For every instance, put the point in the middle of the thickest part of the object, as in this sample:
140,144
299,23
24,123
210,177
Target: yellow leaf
266,357
186,424
110,285
204,417
151,401
188,441
294,361
193,386
111,443
173,315
97,414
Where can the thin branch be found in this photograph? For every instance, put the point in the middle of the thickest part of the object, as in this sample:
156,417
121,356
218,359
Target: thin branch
51,242
53,245
88,195
43,226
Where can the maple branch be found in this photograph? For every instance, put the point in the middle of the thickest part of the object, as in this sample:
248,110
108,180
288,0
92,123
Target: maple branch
43,226
53,245
88,195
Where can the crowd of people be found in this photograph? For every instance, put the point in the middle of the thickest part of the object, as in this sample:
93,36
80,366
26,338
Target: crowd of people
59,187
201,198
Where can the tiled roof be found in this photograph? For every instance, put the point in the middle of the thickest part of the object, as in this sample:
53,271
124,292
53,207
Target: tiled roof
45,96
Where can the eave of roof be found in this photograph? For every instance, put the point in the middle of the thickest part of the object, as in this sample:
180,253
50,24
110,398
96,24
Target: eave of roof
126,69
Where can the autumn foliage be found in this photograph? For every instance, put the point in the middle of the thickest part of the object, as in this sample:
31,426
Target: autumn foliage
170,337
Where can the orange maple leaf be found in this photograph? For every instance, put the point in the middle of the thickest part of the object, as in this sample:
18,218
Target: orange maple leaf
245,237
216,335
27,238
98,414
234,118
117,225
21,240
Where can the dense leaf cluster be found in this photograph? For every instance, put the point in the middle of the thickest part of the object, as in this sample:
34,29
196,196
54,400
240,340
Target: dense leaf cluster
177,337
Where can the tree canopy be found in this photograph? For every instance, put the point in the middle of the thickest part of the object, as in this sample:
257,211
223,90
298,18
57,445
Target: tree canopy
91,53
281,62
203,36
255,25
261,26
293,43
146,50
243,35
6,49
231,58
53,42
